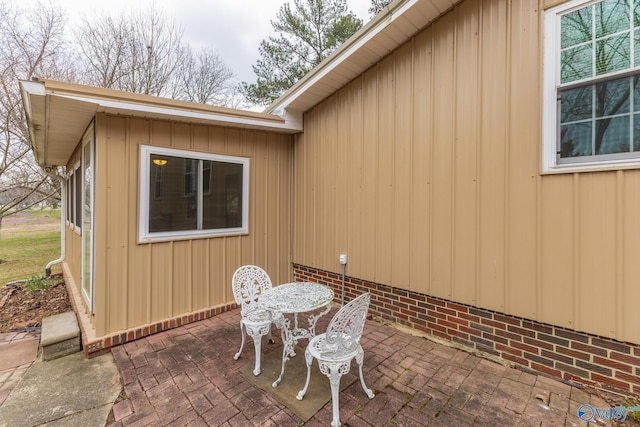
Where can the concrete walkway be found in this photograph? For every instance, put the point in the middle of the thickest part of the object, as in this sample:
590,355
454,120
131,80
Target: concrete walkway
187,377
68,391
18,350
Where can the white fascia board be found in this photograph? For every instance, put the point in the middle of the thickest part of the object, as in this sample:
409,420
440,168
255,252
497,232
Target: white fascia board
120,107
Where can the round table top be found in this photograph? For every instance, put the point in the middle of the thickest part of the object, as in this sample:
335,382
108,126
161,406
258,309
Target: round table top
296,297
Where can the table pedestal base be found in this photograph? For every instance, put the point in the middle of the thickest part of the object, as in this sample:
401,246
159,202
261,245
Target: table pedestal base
290,336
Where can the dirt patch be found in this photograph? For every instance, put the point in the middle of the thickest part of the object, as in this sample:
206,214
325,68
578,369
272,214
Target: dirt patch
21,309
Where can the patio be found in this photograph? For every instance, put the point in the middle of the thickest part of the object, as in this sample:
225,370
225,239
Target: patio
187,376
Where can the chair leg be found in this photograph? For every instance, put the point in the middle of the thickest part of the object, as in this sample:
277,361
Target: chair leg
242,328
334,379
257,341
309,358
271,341
359,358
287,346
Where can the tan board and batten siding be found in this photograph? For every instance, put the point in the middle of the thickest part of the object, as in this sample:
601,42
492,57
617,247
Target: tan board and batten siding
456,207
140,284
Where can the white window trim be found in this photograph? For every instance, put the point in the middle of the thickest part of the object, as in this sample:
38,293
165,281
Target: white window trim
143,224
551,65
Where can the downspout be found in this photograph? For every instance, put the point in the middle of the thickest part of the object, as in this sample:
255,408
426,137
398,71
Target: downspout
63,229
292,145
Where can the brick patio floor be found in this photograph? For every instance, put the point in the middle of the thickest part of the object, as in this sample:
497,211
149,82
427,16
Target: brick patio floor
187,376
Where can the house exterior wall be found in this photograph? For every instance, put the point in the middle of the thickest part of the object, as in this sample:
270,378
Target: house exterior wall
426,171
165,284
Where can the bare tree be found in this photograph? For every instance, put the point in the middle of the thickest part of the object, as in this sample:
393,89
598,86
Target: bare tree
162,53
33,45
143,53
137,52
103,50
204,78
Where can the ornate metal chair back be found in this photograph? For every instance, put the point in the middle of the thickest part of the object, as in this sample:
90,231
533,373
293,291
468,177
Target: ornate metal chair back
249,282
345,329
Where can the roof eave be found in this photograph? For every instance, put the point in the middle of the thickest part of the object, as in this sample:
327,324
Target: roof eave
33,101
58,114
393,26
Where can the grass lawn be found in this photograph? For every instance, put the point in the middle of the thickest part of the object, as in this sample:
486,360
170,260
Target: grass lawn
28,242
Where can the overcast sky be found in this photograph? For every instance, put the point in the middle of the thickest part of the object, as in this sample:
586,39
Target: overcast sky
233,28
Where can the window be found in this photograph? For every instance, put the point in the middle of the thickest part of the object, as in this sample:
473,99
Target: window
188,195
68,200
74,198
77,200
591,85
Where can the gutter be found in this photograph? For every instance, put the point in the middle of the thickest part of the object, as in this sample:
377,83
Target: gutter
63,229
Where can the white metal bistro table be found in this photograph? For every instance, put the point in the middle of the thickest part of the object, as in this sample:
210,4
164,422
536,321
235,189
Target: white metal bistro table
294,298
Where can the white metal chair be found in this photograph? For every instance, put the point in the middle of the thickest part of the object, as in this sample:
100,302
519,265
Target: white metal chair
336,348
249,282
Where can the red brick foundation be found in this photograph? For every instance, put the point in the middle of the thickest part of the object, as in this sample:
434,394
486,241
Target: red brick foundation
104,344
558,352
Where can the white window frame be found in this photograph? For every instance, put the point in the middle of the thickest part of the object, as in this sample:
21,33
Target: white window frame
550,104
144,236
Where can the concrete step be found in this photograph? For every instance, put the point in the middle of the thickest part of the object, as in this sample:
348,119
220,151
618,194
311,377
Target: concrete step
60,336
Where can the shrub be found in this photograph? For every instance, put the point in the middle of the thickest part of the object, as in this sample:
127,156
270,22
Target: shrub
38,283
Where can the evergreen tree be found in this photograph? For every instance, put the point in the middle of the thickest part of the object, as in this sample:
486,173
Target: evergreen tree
308,32
377,6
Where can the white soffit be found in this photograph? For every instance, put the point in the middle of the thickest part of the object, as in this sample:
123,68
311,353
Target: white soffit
66,122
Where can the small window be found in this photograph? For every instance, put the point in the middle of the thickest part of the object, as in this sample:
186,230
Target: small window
591,85
68,200
74,199
77,202
188,195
